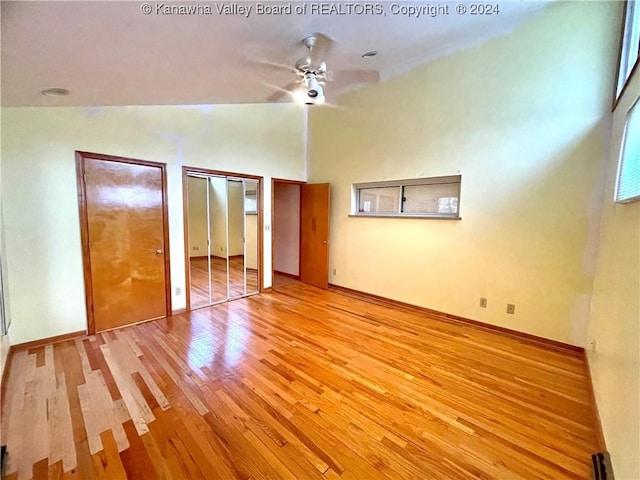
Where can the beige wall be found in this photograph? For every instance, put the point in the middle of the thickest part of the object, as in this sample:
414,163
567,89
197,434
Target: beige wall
4,339
218,215
197,196
5,342
525,118
615,316
286,228
251,225
251,230
217,199
236,217
197,200
42,229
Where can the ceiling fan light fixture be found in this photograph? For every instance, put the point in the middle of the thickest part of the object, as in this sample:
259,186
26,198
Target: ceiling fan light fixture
301,96
312,86
317,100
312,90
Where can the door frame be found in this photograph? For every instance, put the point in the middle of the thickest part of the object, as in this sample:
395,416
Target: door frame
84,227
273,199
185,221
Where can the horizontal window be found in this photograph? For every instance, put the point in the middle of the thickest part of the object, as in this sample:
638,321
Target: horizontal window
629,169
434,197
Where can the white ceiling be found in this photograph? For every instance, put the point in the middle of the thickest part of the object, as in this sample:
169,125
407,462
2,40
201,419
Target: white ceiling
110,53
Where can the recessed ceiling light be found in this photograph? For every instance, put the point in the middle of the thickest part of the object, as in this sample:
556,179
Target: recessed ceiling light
369,54
55,92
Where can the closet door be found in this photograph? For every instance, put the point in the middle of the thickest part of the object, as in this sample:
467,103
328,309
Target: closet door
235,237
199,282
223,237
218,249
251,207
207,210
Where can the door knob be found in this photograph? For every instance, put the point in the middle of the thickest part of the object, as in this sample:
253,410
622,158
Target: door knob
158,252
325,242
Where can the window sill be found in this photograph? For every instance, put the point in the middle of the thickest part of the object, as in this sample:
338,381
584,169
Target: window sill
628,200
415,217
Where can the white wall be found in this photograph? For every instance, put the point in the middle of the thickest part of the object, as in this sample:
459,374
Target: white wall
286,228
615,315
525,118
42,228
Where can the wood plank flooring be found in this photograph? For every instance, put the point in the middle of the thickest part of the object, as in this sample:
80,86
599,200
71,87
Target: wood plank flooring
300,383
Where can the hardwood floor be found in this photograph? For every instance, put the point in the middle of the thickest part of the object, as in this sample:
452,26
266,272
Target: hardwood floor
299,383
200,279
280,280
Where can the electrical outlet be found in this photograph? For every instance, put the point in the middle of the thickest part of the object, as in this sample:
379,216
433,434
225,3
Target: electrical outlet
196,248
178,291
334,271
483,302
511,308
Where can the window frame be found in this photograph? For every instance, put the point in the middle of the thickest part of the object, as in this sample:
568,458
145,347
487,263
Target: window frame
401,184
630,28
623,148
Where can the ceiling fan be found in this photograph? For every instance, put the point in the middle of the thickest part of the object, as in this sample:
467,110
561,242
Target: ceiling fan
313,74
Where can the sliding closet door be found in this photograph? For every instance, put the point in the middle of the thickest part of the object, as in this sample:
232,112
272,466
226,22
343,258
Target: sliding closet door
218,263
223,237
235,190
251,235
207,210
199,283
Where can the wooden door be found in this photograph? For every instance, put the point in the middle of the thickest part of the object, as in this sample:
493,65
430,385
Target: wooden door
125,242
314,234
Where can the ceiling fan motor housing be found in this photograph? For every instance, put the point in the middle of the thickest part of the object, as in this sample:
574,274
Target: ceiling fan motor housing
305,65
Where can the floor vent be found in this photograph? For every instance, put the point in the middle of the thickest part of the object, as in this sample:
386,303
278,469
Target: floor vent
602,469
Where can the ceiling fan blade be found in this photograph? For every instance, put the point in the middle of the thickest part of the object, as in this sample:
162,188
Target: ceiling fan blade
283,92
280,67
357,76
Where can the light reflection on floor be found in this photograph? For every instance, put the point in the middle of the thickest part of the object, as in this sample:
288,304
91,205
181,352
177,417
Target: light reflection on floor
222,344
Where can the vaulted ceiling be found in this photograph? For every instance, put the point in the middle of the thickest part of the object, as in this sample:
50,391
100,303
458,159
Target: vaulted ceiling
114,53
